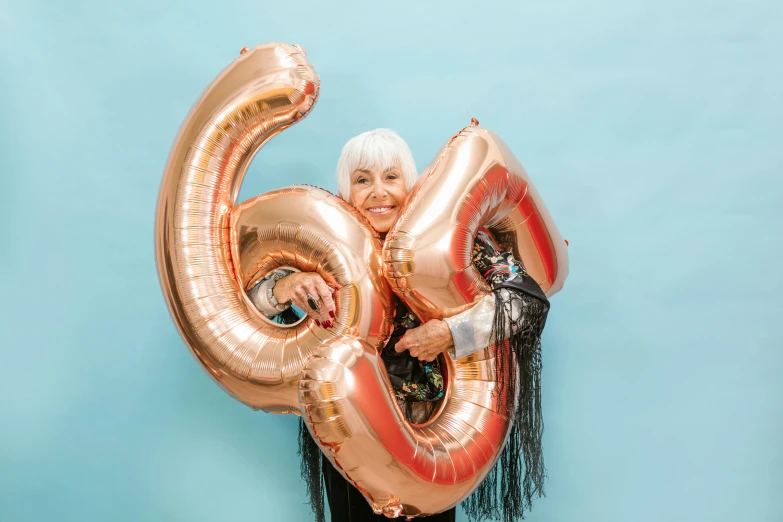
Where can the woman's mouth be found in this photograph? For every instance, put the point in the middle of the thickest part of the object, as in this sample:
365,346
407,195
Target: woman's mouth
386,209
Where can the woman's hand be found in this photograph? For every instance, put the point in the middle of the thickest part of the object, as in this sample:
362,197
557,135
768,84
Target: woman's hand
426,341
298,286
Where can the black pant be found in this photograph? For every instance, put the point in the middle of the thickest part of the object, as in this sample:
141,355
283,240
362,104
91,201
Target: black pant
348,505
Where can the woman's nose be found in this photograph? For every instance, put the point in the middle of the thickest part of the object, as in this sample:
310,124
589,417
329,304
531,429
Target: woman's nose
379,190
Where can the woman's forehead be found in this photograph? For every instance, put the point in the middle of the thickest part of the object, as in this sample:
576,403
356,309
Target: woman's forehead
382,169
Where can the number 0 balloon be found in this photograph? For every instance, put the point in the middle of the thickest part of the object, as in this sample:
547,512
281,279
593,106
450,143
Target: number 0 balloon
211,250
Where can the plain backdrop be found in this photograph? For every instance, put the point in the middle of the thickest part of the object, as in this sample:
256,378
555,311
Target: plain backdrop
651,128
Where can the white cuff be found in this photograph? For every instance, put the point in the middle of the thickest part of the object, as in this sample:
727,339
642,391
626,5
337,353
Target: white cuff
472,328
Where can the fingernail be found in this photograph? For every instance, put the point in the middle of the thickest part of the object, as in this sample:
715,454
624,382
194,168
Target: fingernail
318,322
331,314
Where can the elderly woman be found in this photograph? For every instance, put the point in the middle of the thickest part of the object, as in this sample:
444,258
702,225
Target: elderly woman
374,174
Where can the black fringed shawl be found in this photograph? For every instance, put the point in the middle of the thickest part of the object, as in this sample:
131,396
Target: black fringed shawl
521,465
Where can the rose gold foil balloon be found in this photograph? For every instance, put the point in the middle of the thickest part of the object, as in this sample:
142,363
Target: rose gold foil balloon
209,251
346,396
474,182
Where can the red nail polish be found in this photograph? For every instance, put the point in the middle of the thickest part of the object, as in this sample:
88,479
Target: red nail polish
331,314
318,322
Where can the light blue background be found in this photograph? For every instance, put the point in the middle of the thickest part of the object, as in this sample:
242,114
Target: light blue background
652,129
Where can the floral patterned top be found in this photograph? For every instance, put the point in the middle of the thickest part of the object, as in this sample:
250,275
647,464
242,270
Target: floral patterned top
417,381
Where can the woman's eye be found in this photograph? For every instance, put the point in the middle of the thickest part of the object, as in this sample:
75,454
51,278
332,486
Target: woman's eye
361,180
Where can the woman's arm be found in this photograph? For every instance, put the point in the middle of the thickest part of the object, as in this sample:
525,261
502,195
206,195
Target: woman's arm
281,288
471,330
519,296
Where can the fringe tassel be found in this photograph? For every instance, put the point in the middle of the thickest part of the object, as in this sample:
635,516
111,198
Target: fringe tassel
521,465
310,470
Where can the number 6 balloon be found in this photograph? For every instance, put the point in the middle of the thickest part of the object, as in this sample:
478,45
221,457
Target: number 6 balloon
210,251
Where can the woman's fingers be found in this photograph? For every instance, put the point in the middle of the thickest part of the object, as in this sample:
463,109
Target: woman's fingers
326,297
298,300
310,293
320,293
424,352
305,296
313,293
414,349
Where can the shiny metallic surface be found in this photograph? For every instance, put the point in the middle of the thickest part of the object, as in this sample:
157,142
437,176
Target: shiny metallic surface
208,250
474,182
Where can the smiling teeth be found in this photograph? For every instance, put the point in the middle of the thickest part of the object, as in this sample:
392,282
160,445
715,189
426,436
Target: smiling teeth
379,210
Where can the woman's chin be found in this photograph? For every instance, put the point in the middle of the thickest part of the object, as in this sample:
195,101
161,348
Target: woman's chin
383,224
380,228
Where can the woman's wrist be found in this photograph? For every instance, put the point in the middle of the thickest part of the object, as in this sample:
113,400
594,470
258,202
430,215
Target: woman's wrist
280,304
446,335
278,290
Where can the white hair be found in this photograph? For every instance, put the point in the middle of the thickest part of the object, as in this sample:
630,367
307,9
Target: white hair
376,149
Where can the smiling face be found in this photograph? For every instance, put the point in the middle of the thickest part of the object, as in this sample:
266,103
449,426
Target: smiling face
378,195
